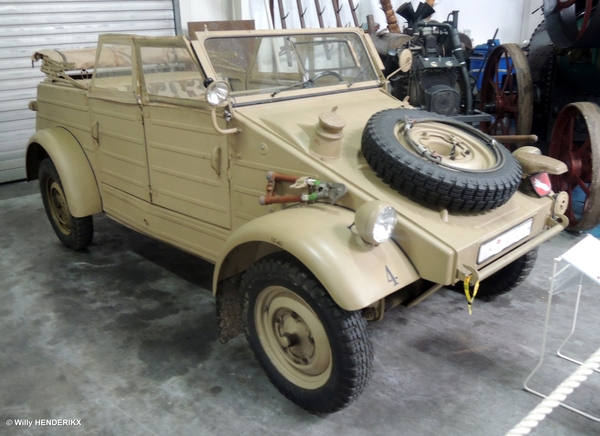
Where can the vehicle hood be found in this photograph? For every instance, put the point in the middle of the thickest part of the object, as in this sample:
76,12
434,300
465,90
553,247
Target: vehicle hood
293,122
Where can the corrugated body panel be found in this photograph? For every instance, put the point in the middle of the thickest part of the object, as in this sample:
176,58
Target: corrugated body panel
27,26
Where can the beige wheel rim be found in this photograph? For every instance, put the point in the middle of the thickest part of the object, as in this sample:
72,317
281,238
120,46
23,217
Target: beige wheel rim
456,149
293,337
58,206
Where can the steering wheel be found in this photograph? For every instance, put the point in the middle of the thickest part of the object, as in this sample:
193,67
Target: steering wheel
323,74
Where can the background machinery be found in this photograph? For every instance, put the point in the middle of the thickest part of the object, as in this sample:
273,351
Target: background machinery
521,91
563,55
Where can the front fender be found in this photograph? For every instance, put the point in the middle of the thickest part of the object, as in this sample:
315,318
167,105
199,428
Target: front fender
354,273
74,169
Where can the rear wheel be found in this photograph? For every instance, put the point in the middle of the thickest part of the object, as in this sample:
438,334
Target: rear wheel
318,355
75,233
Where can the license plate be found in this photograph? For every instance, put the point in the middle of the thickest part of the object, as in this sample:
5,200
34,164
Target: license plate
505,240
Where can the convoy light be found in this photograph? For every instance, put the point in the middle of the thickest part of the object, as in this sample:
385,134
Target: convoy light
217,93
375,222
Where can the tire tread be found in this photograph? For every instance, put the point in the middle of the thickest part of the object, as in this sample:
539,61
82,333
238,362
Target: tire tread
424,181
82,229
350,333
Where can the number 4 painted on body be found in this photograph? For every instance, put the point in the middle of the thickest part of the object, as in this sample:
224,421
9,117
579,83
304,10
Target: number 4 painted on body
390,276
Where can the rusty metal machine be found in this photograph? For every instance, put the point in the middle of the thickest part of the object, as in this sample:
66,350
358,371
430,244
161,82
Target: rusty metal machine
428,63
520,94
564,58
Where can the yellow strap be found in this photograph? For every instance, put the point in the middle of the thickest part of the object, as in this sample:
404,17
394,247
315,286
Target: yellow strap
468,294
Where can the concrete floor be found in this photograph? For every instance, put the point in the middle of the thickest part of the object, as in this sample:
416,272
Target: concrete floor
123,337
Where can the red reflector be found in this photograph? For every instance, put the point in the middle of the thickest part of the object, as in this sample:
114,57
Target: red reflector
541,184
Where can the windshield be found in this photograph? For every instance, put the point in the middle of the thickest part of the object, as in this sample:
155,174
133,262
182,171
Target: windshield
274,64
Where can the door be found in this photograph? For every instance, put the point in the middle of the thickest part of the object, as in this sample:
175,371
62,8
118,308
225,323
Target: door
187,158
117,122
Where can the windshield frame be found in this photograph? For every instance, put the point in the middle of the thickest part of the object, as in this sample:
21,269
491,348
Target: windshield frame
243,98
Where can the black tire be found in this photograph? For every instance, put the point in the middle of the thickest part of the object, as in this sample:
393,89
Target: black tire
75,233
507,279
327,361
444,184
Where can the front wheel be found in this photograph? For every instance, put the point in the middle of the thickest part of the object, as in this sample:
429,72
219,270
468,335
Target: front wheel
75,233
315,353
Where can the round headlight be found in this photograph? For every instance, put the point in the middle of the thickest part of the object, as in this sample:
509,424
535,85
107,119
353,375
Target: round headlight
375,222
217,93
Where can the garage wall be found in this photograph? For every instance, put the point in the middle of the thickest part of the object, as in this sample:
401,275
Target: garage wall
480,17
26,26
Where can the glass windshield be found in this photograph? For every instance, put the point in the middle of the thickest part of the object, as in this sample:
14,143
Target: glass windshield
171,72
273,64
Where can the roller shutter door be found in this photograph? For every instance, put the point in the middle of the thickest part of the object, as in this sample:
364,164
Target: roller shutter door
26,26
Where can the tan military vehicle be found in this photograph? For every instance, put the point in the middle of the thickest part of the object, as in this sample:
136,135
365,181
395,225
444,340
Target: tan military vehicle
280,157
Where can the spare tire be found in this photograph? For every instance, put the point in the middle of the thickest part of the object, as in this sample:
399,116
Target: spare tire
438,161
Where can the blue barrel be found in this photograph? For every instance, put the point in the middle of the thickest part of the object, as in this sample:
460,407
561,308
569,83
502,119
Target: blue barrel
477,60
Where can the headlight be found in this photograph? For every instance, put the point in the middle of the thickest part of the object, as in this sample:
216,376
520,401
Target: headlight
217,93
375,222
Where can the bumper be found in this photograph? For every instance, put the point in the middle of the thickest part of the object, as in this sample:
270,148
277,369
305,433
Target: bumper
555,227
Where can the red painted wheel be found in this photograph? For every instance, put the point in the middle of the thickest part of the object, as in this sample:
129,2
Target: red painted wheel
573,23
566,4
506,92
576,142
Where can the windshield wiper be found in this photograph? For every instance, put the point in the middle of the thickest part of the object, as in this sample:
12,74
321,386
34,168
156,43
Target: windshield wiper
363,71
293,85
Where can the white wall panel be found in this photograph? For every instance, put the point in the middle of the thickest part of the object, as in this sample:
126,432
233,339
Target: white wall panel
26,26
481,17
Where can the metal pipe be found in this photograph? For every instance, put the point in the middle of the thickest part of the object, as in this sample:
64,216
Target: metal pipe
353,10
301,12
320,13
336,10
282,14
269,14
516,139
371,25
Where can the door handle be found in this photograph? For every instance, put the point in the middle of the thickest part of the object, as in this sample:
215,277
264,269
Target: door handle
215,160
96,133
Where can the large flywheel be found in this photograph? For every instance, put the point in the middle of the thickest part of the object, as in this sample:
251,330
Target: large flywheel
573,23
576,142
506,92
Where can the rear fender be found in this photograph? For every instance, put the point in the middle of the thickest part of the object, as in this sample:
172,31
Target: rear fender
74,169
354,273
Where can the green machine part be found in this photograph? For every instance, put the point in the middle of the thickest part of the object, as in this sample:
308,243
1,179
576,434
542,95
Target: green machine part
580,68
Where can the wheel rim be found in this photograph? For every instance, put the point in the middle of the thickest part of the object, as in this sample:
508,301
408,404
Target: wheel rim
293,337
573,23
506,93
576,142
58,206
456,149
